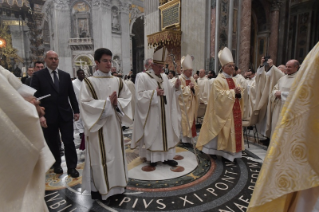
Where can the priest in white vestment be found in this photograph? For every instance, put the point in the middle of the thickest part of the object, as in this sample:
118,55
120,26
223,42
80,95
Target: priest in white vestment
156,129
289,178
281,91
24,154
131,86
221,133
243,84
77,83
203,85
188,101
265,82
105,104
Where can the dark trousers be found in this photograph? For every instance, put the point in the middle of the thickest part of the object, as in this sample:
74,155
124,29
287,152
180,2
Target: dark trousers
51,135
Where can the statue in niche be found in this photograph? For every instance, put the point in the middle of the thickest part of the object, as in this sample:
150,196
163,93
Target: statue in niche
83,28
86,69
115,19
117,61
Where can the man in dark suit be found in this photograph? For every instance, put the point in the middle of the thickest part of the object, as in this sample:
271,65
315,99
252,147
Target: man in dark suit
58,112
38,65
29,74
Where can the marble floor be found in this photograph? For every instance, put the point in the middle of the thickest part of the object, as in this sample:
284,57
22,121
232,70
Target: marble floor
199,183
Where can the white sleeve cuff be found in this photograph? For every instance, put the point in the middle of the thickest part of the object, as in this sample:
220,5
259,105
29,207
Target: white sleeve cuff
284,95
26,91
108,110
154,99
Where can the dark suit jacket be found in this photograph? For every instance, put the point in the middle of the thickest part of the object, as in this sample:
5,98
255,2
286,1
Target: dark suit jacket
23,79
58,102
28,81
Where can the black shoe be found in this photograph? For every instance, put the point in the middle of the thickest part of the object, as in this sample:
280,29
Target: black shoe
153,164
171,162
96,195
265,141
58,170
73,173
106,202
124,128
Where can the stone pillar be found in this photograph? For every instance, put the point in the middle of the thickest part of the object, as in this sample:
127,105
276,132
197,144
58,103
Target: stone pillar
216,35
62,33
102,24
231,25
274,27
245,35
125,29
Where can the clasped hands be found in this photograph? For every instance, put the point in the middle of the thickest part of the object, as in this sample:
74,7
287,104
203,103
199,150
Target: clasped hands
278,94
237,90
113,98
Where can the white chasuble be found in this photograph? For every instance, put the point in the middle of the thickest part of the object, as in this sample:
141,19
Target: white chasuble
78,125
284,84
24,154
265,82
105,168
188,103
156,129
244,86
131,86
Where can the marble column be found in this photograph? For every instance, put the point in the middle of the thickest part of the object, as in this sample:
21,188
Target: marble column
216,35
274,27
245,35
231,25
125,28
102,24
212,32
62,35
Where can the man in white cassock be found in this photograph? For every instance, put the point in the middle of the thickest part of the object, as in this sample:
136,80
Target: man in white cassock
203,85
188,101
77,83
156,129
281,91
105,104
265,82
131,86
24,154
243,84
221,133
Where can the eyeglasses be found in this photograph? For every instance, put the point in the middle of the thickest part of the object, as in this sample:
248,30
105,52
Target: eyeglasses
106,61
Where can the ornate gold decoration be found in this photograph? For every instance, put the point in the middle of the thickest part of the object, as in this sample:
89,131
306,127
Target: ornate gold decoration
170,14
8,53
14,23
165,38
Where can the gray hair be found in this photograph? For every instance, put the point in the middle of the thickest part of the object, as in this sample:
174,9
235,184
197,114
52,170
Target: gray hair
147,61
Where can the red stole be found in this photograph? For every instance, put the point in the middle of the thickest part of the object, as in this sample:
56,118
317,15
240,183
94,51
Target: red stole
237,118
194,134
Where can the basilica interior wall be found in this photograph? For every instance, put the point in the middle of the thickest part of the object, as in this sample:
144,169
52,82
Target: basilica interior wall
152,24
193,31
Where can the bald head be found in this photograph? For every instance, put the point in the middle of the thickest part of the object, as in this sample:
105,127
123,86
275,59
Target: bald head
283,68
202,73
51,59
292,66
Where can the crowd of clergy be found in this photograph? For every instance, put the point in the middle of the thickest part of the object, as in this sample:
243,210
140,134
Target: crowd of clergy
162,109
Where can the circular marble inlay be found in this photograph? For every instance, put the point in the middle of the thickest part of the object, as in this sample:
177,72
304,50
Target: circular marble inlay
163,171
178,157
177,169
148,168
